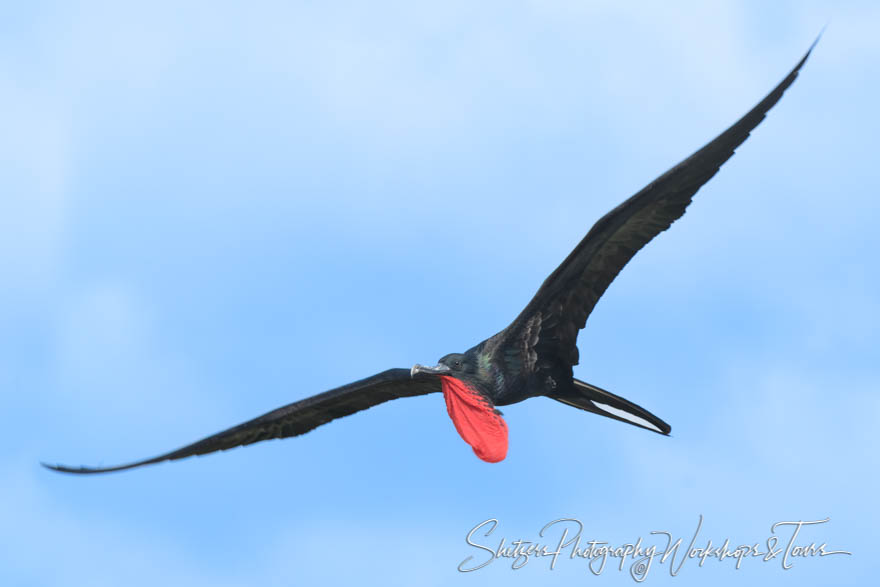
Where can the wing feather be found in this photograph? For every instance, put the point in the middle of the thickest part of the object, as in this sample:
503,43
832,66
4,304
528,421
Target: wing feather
296,418
569,294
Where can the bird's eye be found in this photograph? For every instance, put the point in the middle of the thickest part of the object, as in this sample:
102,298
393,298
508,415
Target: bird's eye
457,364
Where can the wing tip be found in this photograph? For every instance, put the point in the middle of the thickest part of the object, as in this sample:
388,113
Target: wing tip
82,470
812,46
59,468
800,64
819,36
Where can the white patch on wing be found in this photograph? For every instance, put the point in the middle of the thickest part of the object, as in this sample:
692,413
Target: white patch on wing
626,416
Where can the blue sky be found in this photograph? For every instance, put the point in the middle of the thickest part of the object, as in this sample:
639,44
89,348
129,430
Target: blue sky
210,211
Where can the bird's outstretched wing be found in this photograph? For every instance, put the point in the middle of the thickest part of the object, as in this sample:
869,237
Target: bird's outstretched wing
550,322
296,418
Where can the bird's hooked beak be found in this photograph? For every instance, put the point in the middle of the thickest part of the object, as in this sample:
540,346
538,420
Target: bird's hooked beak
435,370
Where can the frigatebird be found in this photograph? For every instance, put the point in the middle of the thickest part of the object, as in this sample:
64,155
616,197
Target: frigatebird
535,354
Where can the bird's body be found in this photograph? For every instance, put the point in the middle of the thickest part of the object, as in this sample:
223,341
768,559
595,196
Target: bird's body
535,355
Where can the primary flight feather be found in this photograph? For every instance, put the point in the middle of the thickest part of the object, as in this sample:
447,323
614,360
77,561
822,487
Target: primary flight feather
535,354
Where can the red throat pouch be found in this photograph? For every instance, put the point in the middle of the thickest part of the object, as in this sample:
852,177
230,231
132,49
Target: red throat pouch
476,420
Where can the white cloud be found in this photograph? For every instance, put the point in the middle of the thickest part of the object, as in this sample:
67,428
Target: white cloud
110,368
35,167
44,542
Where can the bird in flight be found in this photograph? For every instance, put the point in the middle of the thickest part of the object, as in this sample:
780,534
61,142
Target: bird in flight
535,354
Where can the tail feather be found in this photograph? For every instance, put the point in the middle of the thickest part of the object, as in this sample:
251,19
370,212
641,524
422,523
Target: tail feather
594,399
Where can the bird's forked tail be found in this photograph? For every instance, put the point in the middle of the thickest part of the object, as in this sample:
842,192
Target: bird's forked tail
594,399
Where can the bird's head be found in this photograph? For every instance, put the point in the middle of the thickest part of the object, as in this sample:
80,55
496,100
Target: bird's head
458,365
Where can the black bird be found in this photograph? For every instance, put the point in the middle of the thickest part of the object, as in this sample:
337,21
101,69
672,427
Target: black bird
535,354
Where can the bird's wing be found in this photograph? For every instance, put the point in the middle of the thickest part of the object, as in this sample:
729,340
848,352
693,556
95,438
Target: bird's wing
296,418
552,319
